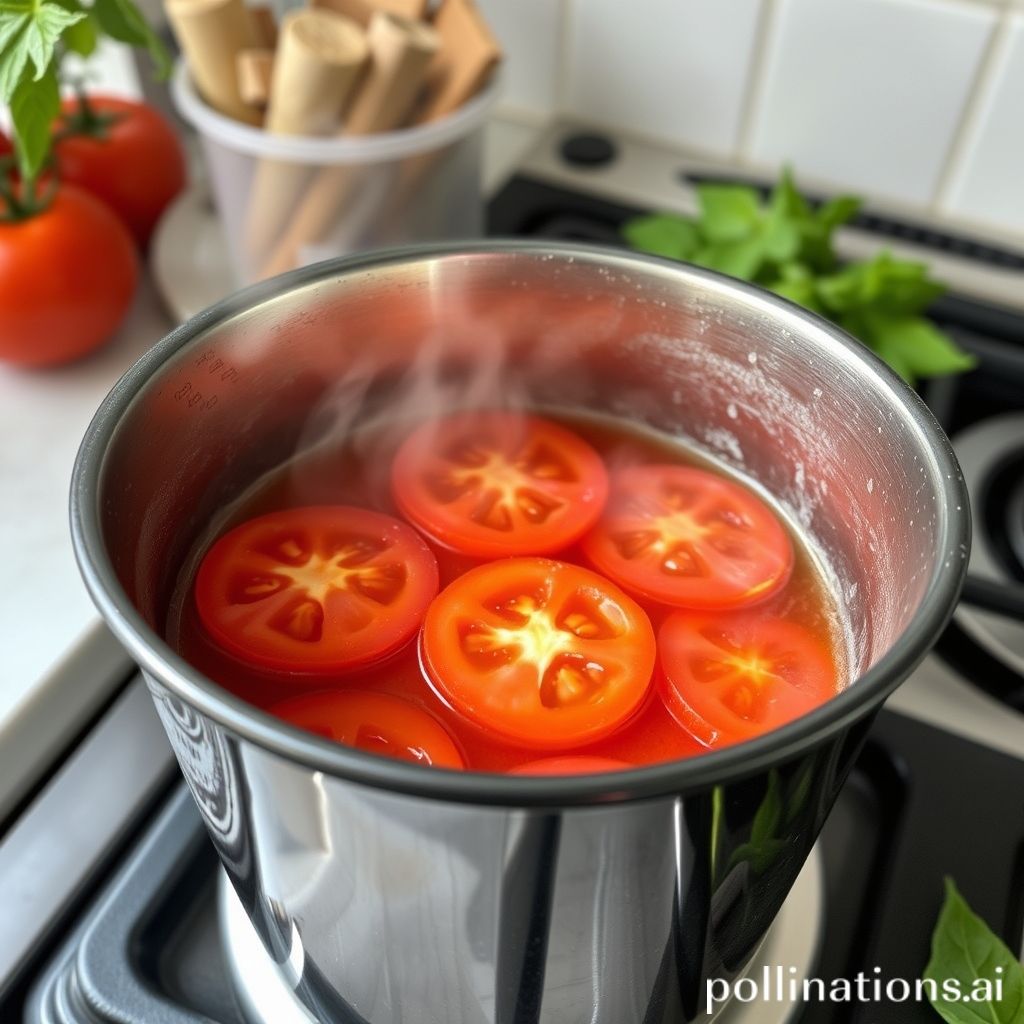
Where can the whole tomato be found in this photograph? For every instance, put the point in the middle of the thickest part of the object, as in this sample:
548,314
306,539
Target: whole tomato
67,276
124,153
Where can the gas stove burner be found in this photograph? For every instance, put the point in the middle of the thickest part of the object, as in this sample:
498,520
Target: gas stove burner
1015,518
991,454
265,997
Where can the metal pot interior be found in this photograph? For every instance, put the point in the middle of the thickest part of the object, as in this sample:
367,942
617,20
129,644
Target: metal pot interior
764,388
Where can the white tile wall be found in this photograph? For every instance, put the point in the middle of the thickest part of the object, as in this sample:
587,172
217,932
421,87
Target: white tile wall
869,93
915,100
530,32
987,181
670,68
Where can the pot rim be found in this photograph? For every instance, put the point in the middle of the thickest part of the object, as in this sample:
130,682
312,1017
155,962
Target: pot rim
858,700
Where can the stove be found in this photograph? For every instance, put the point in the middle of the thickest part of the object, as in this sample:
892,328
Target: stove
116,909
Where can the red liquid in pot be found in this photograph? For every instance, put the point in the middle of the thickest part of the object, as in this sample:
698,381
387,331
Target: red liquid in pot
356,474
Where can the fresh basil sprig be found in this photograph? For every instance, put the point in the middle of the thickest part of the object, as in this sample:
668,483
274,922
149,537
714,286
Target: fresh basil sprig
786,245
965,950
33,37
29,33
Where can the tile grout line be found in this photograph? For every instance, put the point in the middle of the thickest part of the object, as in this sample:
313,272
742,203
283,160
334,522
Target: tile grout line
966,130
565,22
757,70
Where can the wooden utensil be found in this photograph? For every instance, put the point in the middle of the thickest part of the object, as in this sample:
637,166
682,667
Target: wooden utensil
255,69
465,60
211,33
400,53
364,10
320,58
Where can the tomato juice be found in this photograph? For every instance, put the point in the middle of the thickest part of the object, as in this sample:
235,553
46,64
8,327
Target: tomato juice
748,634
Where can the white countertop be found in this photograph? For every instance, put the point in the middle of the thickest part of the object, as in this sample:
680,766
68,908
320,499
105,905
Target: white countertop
47,616
57,661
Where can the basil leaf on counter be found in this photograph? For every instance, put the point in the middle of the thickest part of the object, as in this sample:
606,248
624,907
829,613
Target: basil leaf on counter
797,284
786,245
728,212
663,234
741,257
913,346
965,950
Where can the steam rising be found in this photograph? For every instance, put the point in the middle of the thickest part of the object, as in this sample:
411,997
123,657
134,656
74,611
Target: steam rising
496,360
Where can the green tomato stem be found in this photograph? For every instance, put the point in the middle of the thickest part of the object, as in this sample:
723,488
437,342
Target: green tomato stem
20,201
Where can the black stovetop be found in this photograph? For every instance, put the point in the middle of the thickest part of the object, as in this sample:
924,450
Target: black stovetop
921,803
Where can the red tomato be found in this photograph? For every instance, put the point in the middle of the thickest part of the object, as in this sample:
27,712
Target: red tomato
67,277
578,765
728,678
689,538
499,483
124,153
543,654
6,146
315,590
375,722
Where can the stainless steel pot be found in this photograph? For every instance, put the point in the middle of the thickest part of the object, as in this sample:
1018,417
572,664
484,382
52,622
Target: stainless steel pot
390,893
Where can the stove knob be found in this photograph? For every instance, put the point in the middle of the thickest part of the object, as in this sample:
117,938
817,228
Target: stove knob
588,150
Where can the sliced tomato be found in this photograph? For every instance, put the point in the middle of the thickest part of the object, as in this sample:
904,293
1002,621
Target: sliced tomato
375,722
730,677
571,765
315,590
540,653
686,537
492,484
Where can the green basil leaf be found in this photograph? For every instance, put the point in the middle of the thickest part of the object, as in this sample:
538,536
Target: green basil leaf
742,258
845,290
838,211
30,36
780,239
12,21
81,38
663,234
787,201
966,952
729,213
787,247
34,106
45,29
914,346
13,52
906,286
800,292
123,21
